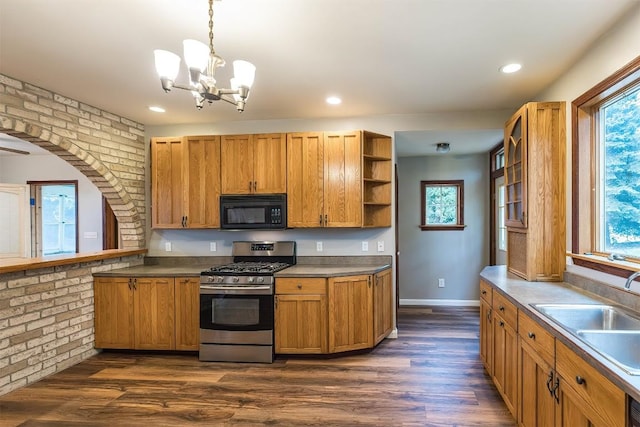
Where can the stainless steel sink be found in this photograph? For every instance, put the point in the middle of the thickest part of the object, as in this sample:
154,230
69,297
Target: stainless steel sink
598,317
609,330
620,347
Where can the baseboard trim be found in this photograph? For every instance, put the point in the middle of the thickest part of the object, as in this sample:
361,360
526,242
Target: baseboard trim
441,302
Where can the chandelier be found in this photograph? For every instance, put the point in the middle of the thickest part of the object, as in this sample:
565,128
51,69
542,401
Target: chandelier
202,62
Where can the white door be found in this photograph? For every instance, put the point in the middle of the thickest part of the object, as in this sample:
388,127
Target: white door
15,220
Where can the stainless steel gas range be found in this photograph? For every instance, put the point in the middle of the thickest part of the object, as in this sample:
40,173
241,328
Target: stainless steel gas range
236,303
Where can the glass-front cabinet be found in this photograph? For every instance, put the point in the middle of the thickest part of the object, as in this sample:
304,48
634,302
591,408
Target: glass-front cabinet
515,145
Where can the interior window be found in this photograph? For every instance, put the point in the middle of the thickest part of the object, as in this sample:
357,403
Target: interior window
55,219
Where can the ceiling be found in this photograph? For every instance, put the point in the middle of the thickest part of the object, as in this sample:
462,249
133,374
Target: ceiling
382,57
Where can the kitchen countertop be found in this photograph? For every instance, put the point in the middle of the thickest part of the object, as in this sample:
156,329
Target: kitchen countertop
194,270
524,293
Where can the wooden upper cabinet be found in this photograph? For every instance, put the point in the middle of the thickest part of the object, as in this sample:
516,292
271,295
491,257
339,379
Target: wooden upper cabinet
515,149
535,178
343,179
167,198
305,179
202,181
185,182
253,164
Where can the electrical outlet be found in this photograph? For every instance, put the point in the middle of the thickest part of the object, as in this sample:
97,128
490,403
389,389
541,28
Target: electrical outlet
213,246
441,283
380,246
319,246
167,246
365,246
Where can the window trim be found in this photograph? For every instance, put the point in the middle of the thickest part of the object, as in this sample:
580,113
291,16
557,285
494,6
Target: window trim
459,183
584,127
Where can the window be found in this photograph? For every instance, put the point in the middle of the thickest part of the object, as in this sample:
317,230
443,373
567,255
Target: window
442,205
502,229
606,168
55,217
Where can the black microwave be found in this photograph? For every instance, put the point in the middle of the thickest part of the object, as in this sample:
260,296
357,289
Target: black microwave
253,211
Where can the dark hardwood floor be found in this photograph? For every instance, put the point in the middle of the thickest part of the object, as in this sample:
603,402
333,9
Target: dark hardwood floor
430,376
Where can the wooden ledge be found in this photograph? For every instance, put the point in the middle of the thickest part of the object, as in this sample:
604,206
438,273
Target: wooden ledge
23,264
602,263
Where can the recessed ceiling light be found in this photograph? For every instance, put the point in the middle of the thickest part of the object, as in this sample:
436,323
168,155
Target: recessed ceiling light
510,68
334,100
157,109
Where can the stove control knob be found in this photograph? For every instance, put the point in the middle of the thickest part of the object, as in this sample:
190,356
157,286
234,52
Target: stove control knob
250,279
219,279
260,279
236,279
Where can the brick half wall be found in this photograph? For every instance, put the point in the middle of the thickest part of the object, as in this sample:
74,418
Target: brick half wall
107,148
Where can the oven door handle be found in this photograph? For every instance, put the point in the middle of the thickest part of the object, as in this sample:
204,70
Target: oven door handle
212,290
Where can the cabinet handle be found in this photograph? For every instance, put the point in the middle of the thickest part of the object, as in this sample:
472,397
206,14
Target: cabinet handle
501,308
555,390
501,324
249,186
369,280
489,312
549,382
532,335
320,219
135,282
484,292
299,286
275,300
130,279
580,380
255,185
325,220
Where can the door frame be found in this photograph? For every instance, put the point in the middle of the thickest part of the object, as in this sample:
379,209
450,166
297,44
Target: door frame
493,175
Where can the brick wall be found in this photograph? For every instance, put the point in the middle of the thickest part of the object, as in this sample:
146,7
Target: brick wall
46,319
107,148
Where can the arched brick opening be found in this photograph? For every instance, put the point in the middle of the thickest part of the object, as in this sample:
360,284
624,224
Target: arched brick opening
110,186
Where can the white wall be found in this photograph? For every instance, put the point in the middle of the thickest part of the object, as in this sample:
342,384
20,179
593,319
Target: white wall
611,52
20,169
456,256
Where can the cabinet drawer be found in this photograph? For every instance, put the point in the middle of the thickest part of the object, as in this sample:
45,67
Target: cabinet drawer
505,309
295,285
485,291
537,337
606,399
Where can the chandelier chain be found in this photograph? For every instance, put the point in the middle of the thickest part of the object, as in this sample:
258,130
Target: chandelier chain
211,27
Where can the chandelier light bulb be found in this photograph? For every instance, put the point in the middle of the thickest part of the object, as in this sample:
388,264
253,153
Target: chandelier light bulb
167,64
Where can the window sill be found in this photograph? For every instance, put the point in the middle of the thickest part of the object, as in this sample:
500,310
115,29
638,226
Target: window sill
456,227
603,264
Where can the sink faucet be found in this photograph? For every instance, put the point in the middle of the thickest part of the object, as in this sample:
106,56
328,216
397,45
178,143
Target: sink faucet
627,284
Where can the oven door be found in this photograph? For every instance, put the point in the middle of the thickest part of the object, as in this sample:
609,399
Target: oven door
230,311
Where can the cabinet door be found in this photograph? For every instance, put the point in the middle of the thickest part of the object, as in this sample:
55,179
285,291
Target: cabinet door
305,165
270,163
342,179
236,164
382,306
486,336
167,190
515,170
536,401
154,306
505,362
301,324
187,304
569,410
202,181
113,302
350,313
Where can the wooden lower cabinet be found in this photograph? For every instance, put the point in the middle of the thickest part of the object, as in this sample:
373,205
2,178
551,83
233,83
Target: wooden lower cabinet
382,305
301,316
187,309
331,315
486,327
350,313
146,313
505,361
585,396
536,399
113,313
